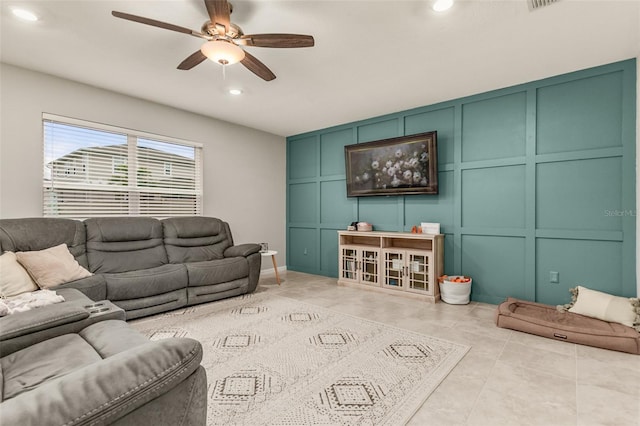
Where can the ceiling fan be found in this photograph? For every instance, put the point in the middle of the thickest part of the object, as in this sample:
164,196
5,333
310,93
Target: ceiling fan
224,39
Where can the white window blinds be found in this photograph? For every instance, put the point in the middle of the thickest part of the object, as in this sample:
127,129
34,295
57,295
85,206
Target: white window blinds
96,170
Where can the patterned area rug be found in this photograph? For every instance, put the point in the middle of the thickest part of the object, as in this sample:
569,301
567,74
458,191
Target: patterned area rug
271,360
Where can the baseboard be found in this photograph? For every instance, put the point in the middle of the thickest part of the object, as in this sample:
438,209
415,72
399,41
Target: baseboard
272,271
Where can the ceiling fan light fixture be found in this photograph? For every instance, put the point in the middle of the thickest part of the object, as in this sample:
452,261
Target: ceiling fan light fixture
223,52
442,5
25,15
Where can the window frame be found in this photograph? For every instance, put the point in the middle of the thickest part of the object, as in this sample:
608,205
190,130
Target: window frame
132,188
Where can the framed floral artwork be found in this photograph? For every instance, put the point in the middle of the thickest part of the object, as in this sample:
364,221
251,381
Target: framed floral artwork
397,166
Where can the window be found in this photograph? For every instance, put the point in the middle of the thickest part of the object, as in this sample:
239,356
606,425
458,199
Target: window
92,169
118,165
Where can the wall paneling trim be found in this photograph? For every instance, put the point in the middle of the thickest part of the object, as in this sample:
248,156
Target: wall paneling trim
534,178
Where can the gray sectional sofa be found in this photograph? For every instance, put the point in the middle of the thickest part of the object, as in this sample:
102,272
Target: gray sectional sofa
78,362
145,265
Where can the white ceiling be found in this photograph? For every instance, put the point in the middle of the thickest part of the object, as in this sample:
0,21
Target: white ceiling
370,58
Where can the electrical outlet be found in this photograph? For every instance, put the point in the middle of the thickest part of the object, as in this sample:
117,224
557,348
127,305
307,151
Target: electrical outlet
554,277
305,252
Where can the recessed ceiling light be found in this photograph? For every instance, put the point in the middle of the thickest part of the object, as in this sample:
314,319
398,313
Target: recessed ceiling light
442,5
235,92
25,15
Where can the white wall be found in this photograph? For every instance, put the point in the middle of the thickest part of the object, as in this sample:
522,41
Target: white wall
244,169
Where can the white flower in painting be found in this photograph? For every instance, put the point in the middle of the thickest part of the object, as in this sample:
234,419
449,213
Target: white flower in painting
391,171
375,164
423,182
407,175
413,162
357,179
423,156
365,177
416,177
384,170
398,153
395,182
389,164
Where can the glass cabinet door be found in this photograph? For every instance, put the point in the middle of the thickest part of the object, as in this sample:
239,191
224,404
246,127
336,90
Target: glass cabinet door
393,269
418,272
370,265
349,266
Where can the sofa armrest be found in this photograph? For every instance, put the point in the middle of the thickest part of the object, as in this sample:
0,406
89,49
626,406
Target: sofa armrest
23,323
242,250
107,390
23,329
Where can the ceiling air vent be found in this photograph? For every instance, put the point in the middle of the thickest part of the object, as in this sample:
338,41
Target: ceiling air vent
537,4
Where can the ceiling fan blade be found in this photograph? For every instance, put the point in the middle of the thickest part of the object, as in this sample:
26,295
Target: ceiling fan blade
219,13
193,60
278,40
154,23
257,67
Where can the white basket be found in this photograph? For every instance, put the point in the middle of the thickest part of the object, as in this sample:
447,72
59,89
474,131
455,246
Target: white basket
364,226
455,293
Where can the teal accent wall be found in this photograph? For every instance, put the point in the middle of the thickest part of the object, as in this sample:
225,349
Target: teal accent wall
533,178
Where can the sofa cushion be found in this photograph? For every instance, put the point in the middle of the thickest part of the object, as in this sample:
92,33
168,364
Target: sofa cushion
195,239
14,279
104,391
53,266
112,337
123,244
147,282
45,361
94,287
38,233
217,271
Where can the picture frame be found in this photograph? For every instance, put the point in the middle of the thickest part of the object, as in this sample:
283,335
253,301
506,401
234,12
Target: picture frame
397,166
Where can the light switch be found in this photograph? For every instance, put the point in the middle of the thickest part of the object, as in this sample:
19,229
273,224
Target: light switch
554,277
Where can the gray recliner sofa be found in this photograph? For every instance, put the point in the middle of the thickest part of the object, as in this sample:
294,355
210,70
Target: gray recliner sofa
145,265
78,363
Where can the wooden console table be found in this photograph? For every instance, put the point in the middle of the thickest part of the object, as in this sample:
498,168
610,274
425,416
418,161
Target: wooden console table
404,263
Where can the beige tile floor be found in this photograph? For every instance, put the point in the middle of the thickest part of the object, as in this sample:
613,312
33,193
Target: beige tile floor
508,377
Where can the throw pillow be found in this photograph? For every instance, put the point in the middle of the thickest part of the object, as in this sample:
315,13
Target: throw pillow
596,304
14,279
52,266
